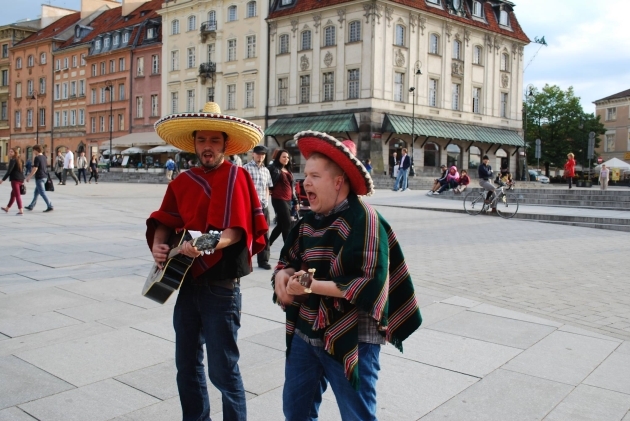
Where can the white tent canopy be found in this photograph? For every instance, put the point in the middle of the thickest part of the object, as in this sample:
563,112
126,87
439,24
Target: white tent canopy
114,150
133,150
614,163
164,149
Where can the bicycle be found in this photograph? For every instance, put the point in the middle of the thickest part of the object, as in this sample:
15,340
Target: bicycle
505,203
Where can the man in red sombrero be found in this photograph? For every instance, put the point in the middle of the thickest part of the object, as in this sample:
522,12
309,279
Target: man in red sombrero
220,196
359,297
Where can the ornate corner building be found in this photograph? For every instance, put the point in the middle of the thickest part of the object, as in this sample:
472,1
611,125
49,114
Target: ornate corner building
614,112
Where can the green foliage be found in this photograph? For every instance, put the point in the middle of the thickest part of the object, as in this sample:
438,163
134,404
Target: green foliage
556,118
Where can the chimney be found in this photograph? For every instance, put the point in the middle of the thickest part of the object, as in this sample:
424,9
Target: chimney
129,6
52,14
90,6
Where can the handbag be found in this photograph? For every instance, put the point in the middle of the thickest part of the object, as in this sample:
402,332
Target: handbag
49,185
22,189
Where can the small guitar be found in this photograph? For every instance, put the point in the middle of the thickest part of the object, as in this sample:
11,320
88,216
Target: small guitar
161,283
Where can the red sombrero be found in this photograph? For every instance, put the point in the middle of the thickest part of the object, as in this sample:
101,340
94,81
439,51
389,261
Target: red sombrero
341,153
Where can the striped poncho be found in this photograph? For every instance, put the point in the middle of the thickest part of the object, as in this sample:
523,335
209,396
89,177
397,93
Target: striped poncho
356,249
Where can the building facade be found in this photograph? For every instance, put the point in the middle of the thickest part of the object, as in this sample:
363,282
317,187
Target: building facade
363,69
614,113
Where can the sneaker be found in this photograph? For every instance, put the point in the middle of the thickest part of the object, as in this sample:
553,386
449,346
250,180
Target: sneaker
437,192
28,208
429,193
49,210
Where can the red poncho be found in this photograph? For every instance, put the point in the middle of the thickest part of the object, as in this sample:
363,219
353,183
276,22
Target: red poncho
220,199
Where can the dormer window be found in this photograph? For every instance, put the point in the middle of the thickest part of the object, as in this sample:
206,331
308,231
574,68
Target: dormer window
77,32
116,40
151,33
477,9
125,38
503,18
433,1
106,43
97,44
286,2
457,4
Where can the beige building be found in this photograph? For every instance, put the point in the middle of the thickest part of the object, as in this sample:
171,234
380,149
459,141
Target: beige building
215,51
361,69
614,113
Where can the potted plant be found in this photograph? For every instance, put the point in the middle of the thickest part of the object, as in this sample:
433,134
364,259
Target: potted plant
579,183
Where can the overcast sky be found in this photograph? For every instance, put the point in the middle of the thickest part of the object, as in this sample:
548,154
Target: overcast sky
588,42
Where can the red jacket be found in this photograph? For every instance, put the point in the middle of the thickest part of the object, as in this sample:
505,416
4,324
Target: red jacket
569,168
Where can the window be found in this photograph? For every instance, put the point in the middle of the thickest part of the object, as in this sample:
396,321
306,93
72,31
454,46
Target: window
453,156
112,66
57,119
400,35
121,64
4,110
58,64
64,90
212,18
106,43
251,9
140,66
42,85
155,64
74,61
249,95
42,58
232,13
477,9
29,88
505,60
434,44
474,157
476,100
353,83
329,86
116,41
82,87
306,40
175,27
284,44
355,31
121,122
5,77
609,146
431,155
18,119
285,2
93,95
97,45
211,49
125,38
192,23
93,70
64,118
503,18
477,54
251,46
174,102
433,92
231,97
151,33
102,68
29,118
30,61
434,1
154,106
457,50
18,63
504,104
305,89
18,90
121,91
611,113
456,90
103,95
73,117
329,36
231,53
174,60
399,86
191,57
190,100
501,156
73,88
210,93
81,117
102,123
139,105
83,63
93,124
5,52
42,117
283,87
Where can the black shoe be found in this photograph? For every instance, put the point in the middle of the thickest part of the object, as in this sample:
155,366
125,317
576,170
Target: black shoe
49,210
28,208
264,266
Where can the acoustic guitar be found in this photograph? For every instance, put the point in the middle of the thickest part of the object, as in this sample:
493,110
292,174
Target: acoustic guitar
161,283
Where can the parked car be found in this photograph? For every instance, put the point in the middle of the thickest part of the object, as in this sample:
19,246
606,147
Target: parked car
536,176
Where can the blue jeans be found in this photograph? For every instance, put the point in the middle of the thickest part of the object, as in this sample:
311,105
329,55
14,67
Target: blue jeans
210,315
40,189
308,370
401,177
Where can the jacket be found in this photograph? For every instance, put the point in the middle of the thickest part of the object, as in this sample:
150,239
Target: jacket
14,173
569,168
82,162
485,172
405,162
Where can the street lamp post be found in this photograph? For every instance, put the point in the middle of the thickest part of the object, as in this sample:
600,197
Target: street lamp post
412,89
34,96
528,94
110,88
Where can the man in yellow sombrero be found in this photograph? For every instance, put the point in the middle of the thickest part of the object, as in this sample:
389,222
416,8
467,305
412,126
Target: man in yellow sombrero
220,196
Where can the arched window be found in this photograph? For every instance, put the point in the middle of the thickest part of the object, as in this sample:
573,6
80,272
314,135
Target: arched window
175,27
453,156
501,159
30,61
232,13
400,35
251,9
431,155
305,40
434,44
212,17
457,50
474,158
192,23
354,31
18,63
505,60
42,58
329,36
477,54
503,18
284,44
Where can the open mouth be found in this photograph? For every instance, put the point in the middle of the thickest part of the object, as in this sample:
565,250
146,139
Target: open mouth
208,155
311,196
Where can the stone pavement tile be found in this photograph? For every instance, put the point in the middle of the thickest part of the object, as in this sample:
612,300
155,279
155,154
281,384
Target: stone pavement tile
580,331
263,378
425,300
460,301
165,310
587,403
9,266
29,324
452,352
251,325
563,357
96,358
24,287
498,330
161,326
274,339
509,314
627,417
158,380
613,373
95,402
21,382
59,260
43,274
132,263
41,300
13,278
109,288
257,302
3,337
435,312
102,310
167,410
255,355
14,414
503,395
433,292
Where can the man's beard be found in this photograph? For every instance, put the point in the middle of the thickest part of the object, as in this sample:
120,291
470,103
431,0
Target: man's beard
218,160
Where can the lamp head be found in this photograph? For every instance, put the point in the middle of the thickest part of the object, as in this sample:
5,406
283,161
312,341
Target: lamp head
412,89
418,71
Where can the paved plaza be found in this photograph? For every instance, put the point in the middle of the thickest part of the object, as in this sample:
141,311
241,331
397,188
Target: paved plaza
522,320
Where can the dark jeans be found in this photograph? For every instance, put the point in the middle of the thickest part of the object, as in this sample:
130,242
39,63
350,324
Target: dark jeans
570,181
59,176
208,315
40,190
263,256
82,171
283,219
70,171
447,185
94,175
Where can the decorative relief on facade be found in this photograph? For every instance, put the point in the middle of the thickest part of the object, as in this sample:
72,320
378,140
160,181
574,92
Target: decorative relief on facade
422,23
457,68
294,26
273,29
388,15
317,19
413,21
329,22
467,36
304,64
328,59
505,80
489,42
514,50
342,16
399,58
521,51
497,44
448,29
373,10
417,66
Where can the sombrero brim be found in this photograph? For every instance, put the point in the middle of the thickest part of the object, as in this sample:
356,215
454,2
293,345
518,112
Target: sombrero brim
177,130
360,180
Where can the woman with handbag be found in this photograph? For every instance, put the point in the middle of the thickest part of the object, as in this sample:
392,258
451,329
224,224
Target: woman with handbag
59,167
282,195
93,170
15,174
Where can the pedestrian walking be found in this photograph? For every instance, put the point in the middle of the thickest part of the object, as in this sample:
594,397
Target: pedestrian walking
368,165
569,169
359,297
28,166
403,171
15,174
262,181
170,168
82,165
604,176
59,167
68,167
220,196
282,195
393,162
93,170
40,171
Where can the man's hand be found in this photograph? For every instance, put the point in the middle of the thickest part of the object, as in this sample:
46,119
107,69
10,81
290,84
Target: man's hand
190,251
160,254
294,287
281,281
28,179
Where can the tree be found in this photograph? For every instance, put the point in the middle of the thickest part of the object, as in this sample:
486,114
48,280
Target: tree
556,118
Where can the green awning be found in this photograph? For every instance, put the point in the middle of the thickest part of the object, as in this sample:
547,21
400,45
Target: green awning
458,131
334,123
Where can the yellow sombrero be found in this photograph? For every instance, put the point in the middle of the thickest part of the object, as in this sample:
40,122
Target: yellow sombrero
177,129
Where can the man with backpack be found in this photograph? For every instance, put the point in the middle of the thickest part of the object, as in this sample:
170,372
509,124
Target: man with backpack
170,167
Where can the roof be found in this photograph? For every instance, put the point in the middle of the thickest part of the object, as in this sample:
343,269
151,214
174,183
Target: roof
52,30
332,123
435,128
492,24
619,95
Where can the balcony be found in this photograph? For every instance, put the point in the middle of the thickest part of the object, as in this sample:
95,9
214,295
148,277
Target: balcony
206,71
208,28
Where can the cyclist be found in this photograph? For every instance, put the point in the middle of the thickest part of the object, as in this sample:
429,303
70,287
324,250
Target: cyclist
485,175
